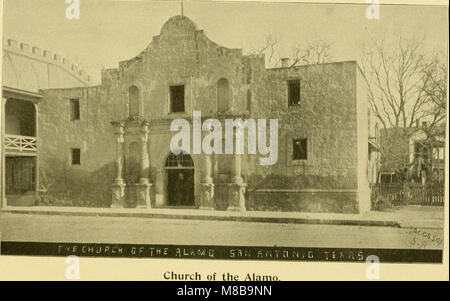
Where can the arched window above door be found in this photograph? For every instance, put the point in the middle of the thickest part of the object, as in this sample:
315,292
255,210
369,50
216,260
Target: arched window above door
181,160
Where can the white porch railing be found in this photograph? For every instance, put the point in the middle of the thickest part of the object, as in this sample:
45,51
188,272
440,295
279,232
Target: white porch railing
20,143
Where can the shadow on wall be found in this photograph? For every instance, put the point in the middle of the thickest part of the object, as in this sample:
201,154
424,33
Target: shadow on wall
272,181
266,194
303,202
63,186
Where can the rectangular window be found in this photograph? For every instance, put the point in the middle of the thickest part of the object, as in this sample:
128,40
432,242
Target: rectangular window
300,149
177,99
76,156
294,92
438,153
74,109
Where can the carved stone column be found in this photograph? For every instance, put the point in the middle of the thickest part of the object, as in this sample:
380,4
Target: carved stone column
118,186
143,188
207,178
236,176
236,197
236,189
207,186
145,162
159,187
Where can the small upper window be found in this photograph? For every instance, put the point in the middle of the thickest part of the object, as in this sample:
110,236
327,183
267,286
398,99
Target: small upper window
300,149
76,156
74,109
294,92
177,99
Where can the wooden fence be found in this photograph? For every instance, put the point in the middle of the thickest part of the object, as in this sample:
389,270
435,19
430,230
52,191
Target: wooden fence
408,193
434,195
382,194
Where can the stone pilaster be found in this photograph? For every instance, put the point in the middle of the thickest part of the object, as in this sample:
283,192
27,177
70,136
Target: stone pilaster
236,176
118,195
143,188
145,162
207,186
143,195
118,186
160,174
236,197
236,189
207,196
207,173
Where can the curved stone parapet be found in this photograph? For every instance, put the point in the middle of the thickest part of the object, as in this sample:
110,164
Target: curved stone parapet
27,64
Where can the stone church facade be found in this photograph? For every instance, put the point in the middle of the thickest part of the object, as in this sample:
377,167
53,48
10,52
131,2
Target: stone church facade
109,145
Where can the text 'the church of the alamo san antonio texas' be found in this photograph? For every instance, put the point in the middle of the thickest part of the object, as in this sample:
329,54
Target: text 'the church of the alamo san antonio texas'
109,145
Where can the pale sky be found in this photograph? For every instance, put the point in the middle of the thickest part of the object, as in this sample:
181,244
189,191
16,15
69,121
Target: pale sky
110,31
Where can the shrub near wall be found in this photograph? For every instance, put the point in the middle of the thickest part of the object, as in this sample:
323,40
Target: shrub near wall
304,193
78,188
275,181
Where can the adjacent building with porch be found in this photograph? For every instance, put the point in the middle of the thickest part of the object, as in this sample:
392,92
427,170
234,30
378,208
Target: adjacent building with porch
414,154
109,145
412,169
27,70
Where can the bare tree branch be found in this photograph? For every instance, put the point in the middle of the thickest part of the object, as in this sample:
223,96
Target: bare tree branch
316,52
403,85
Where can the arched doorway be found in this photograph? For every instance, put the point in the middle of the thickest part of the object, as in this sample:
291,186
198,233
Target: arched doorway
180,180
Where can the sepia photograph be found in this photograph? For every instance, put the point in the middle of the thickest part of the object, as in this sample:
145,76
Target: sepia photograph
225,130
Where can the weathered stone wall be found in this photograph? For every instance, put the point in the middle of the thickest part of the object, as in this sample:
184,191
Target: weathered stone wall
362,116
326,116
336,201
86,184
181,55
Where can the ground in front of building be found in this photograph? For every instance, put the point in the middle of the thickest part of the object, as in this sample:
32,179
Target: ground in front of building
141,230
